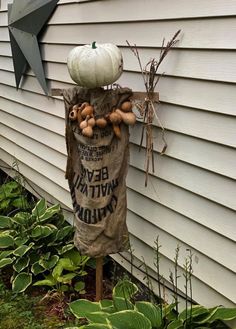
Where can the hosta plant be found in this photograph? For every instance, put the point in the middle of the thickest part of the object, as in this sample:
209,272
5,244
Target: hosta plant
37,243
12,198
123,312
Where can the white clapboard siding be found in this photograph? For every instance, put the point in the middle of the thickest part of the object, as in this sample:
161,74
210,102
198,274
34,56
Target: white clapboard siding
204,95
42,181
32,145
190,198
206,237
43,167
200,33
38,133
195,207
191,149
102,11
143,250
214,187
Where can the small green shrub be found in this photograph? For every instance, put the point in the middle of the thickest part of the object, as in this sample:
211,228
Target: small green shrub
123,312
40,243
12,197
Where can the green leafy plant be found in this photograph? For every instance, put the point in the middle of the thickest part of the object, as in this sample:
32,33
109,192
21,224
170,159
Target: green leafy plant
12,198
124,312
39,242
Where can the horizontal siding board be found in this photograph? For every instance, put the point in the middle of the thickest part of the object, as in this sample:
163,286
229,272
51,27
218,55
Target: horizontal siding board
106,11
39,192
211,156
68,12
184,229
4,4
40,180
212,186
208,33
46,153
34,116
200,262
217,66
212,298
30,83
205,269
214,127
37,133
197,208
204,95
51,106
5,49
43,167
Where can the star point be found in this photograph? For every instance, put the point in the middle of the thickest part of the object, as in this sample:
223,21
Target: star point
26,19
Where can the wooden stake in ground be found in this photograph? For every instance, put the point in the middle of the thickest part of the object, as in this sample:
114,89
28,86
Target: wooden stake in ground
99,278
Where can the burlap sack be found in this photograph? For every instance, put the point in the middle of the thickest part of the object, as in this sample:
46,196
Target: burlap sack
96,172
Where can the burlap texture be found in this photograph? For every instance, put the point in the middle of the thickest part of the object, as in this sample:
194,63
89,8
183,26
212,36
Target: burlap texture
96,172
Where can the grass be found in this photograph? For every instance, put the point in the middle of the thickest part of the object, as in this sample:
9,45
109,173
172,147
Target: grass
24,311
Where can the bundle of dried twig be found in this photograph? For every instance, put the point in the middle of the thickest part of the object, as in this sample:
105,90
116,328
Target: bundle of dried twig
147,108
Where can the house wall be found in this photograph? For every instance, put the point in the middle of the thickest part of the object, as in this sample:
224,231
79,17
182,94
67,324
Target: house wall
190,199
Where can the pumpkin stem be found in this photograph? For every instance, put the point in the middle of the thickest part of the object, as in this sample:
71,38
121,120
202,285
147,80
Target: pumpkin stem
94,45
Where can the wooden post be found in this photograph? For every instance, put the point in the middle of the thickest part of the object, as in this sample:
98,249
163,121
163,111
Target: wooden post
99,278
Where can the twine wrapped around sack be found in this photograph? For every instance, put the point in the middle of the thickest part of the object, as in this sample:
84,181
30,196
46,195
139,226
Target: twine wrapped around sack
96,172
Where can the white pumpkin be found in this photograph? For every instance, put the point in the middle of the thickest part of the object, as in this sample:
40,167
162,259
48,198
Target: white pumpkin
95,65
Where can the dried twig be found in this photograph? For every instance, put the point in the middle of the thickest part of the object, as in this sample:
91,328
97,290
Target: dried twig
147,109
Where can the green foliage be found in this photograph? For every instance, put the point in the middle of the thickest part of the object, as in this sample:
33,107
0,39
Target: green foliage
21,311
123,312
40,243
12,197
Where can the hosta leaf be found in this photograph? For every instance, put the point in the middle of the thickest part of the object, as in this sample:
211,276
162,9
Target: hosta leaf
80,308
36,268
65,248
6,261
22,218
21,264
6,240
97,317
223,314
21,282
48,281
66,278
167,311
150,311
5,222
80,285
75,256
41,231
4,204
5,253
125,289
129,320
176,324
107,306
22,250
48,264
121,304
63,264
63,232
39,208
193,312
96,326
20,202
20,241
49,213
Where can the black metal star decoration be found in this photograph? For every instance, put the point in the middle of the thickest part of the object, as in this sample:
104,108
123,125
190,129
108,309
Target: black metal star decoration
26,19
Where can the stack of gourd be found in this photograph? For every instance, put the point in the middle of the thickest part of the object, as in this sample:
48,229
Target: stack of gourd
84,115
